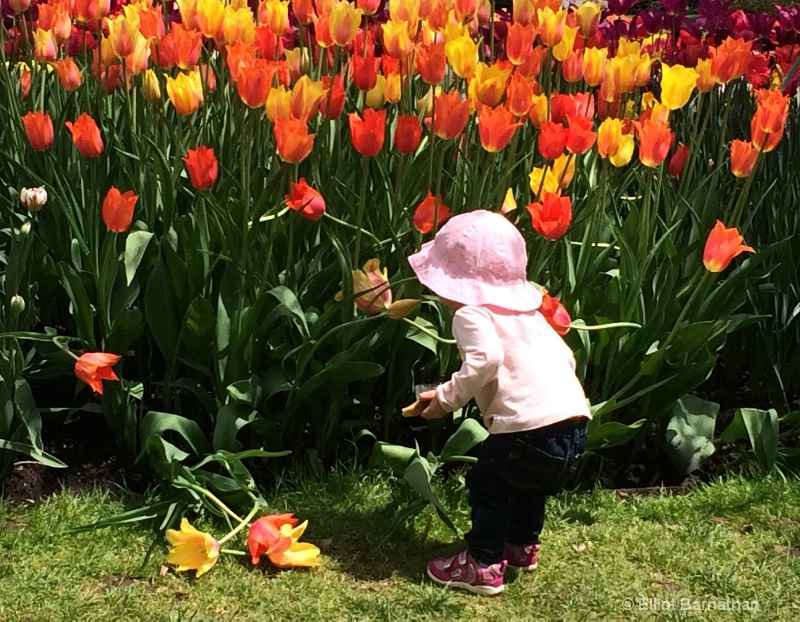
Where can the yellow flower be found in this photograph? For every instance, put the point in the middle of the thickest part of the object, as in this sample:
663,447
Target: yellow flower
594,65
151,88
628,48
677,84
563,48
551,25
391,89
588,15
488,84
402,308
375,96
279,103
343,21
543,181
371,288
564,169
185,92
192,549
705,78
509,202
298,553
462,54
624,152
238,25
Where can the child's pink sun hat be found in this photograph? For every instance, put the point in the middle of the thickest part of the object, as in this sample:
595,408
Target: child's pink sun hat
478,258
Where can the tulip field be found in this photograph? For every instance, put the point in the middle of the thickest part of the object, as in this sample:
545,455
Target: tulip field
207,208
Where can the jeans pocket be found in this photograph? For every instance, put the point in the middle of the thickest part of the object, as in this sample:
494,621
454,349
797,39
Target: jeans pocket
535,468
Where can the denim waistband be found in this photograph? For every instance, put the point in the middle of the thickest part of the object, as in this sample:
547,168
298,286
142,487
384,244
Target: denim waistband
565,428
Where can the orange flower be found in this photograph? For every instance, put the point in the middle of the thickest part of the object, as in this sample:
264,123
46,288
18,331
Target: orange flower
306,200
45,47
533,65
581,137
332,103
769,120
118,209
86,136
276,536
181,46
722,246
185,92
306,95
552,140
496,127
678,161
407,134
524,12
371,288
304,11
68,73
551,25
572,67
655,139
551,218
431,62
94,367
731,59
397,40
364,71
519,43
123,33
368,134
451,114
370,7
705,78
426,212
292,139
255,81
343,22
519,97
56,16
39,130
88,10
555,313
201,164
743,158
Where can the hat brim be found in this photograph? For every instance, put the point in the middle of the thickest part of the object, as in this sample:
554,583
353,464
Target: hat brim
521,296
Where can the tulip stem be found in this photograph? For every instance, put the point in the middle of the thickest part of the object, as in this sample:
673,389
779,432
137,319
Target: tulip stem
605,326
244,523
215,500
740,203
431,334
362,201
352,226
232,552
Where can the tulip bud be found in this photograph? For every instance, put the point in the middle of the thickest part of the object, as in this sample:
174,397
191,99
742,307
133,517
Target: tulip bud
25,228
17,304
33,199
402,308
20,6
152,90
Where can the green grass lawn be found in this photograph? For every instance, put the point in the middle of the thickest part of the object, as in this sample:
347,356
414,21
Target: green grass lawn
737,539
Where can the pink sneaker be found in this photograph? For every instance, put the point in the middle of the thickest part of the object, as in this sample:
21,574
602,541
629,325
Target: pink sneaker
522,557
463,573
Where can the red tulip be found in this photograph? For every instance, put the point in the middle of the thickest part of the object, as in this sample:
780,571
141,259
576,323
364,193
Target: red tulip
94,367
451,114
306,200
655,139
496,127
555,313
332,103
118,209
431,62
201,164
364,71
581,137
407,134
552,140
425,213
678,161
266,538
369,133
86,136
39,129
551,218
722,246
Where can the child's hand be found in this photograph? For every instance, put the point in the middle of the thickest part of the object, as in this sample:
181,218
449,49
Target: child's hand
434,409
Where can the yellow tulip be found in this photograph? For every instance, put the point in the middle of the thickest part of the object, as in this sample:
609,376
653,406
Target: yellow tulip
150,87
192,549
392,89
705,78
185,92
624,153
238,25
488,84
462,54
343,21
509,202
626,47
210,17
564,169
375,98
594,65
279,103
588,15
563,48
543,181
551,25
397,39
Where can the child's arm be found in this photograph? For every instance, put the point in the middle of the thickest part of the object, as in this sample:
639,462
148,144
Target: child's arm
482,353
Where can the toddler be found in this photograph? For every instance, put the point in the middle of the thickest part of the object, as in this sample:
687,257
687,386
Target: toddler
522,376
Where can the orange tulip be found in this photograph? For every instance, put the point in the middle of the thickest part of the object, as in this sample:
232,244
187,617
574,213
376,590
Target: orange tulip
201,164
371,287
88,10
332,103
555,313
426,212
368,133
523,12
343,22
407,134
118,209
137,62
39,130
306,95
45,47
533,65
255,81
431,62
451,114
743,158
552,140
655,139
488,84
185,46
123,33
496,127
519,97
86,136
572,67
581,137
678,161
292,139
369,7
306,200
185,92
56,16
151,22
731,59
705,77
519,43
304,11
722,246
769,120
68,73
94,367
551,218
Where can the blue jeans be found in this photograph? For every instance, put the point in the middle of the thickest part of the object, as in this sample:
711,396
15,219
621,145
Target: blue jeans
514,475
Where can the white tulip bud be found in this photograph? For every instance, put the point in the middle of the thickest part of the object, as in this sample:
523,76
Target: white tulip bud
17,304
33,199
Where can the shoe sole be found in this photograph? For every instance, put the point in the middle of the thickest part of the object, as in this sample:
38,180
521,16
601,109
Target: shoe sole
481,590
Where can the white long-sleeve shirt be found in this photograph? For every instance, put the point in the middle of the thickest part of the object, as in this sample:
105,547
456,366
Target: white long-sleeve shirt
519,370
